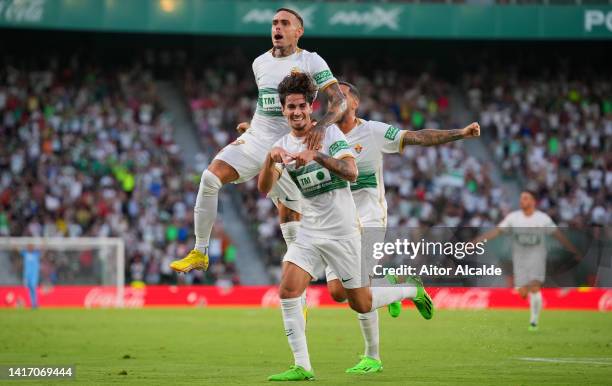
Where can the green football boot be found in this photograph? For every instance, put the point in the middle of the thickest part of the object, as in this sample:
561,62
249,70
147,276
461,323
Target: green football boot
295,373
366,365
422,300
395,308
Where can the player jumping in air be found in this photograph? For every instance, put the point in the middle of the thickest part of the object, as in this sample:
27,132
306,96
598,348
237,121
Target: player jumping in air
329,232
370,140
243,159
529,228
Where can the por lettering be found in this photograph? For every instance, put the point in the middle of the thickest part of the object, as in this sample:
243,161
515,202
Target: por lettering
596,18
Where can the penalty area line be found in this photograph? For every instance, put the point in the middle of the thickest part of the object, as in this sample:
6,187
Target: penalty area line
581,361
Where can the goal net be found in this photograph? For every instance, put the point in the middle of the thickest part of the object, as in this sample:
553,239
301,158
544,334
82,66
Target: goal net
87,261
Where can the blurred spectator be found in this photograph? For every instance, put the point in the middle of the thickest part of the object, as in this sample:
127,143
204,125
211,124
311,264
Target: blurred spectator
88,151
556,135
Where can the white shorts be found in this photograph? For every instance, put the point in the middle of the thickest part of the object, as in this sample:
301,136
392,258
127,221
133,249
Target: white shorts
343,256
286,192
247,155
527,270
371,233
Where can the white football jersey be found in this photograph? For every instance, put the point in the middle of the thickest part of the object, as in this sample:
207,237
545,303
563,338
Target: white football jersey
369,140
269,71
328,209
528,233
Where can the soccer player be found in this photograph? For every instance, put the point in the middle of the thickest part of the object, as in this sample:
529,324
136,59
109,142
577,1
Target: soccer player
329,230
529,228
244,158
31,269
370,140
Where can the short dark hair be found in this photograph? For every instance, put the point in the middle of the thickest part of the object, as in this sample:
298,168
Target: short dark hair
352,88
294,13
297,83
532,193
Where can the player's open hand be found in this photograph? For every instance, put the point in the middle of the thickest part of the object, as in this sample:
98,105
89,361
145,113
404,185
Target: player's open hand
242,127
314,137
472,130
303,157
280,155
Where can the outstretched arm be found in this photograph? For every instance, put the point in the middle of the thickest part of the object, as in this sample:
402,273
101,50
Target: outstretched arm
335,109
566,243
490,235
432,137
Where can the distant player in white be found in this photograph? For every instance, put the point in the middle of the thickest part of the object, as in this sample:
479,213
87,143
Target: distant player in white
370,140
243,159
529,228
329,232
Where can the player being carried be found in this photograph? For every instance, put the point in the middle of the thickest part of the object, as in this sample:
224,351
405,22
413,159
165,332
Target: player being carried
529,228
329,232
370,140
243,159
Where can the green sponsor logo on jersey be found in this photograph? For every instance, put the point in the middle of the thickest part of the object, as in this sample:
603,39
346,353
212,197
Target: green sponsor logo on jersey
314,179
337,146
391,133
322,77
528,239
268,102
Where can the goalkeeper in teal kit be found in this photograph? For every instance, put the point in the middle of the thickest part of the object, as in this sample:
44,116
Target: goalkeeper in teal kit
31,269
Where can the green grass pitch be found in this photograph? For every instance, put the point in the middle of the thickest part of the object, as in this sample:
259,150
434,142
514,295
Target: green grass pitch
218,346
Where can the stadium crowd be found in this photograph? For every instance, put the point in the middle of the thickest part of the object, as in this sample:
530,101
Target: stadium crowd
556,134
88,151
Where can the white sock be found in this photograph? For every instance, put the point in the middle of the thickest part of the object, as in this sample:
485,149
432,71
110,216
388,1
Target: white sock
205,210
535,303
303,299
293,319
381,296
369,329
289,231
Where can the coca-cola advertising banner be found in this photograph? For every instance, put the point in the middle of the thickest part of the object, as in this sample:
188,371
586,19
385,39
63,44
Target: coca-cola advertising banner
267,296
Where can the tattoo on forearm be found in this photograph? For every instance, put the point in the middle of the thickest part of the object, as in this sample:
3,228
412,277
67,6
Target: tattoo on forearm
341,167
430,137
337,106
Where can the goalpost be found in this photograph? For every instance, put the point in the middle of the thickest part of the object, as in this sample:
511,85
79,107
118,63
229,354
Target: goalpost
82,260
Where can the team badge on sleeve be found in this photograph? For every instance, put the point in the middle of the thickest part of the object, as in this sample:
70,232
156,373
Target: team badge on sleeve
391,133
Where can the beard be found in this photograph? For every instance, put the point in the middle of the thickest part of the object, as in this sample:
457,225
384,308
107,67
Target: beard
300,126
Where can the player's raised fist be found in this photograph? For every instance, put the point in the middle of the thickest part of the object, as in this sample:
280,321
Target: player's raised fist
242,127
472,130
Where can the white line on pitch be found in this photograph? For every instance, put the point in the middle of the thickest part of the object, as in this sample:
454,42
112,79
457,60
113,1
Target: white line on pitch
583,361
